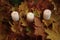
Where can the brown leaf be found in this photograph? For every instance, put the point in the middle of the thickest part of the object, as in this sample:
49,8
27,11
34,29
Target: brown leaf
38,22
39,29
16,28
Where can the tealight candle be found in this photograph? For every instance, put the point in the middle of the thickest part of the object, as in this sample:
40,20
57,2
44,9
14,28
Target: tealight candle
30,16
15,16
47,14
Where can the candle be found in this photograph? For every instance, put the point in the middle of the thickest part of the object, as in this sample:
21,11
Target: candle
30,16
15,16
47,14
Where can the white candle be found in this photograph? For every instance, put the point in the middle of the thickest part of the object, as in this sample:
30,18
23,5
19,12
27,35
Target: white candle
47,14
15,16
30,16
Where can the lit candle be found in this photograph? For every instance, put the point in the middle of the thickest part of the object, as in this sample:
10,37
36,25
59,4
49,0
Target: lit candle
15,16
47,14
30,16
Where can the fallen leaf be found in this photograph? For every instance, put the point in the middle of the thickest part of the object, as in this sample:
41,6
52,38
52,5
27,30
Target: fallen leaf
37,22
52,35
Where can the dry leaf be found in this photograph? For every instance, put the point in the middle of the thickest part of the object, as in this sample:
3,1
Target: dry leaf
52,35
23,22
15,27
38,22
